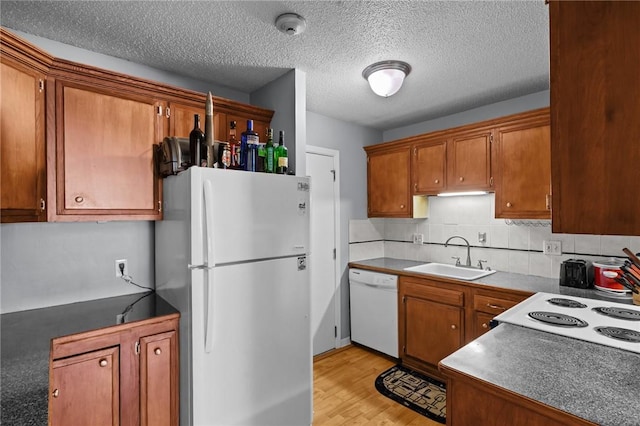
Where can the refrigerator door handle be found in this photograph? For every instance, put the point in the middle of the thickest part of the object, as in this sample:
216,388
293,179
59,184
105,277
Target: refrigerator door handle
209,264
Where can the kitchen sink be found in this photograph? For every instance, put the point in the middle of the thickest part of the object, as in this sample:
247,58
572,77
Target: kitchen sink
450,271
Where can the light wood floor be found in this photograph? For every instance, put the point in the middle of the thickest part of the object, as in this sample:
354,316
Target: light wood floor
344,392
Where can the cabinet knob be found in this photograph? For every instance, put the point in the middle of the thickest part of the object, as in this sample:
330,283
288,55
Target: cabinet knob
509,204
453,326
55,393
436,181
79,199
402,206
157,351
461,179
103,362
484,325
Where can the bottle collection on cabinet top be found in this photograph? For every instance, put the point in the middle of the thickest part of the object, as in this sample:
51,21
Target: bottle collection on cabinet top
247,154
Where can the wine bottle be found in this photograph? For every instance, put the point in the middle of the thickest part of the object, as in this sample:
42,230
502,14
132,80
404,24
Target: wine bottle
196,139
249,141
208,131
269,164
234,147
282,157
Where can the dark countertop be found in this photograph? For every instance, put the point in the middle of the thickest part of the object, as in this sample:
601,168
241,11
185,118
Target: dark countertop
499,280
26,339
594,382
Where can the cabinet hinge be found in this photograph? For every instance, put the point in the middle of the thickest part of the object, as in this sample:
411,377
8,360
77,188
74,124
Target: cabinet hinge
334,175
404,350
335,331
43,204
40,85
167,112
334,254
415,151
160,206
137,348
491,138
159,110
404,299
491,181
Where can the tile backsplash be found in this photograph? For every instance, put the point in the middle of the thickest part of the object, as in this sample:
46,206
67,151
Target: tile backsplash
511,246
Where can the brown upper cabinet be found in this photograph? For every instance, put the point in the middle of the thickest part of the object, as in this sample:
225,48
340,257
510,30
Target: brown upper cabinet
22,138
429,166
469,161
522,167
595,130
509,155
103,139
388,180
78,141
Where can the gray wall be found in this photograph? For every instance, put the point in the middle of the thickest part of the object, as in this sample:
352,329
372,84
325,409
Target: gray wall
486,112
348,139
287,97
47,264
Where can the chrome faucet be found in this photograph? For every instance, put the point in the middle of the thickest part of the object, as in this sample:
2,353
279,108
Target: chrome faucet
468,247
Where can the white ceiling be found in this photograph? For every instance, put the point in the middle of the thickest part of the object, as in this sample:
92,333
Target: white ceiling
463,53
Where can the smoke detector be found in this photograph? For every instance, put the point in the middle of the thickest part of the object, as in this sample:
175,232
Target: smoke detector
291,23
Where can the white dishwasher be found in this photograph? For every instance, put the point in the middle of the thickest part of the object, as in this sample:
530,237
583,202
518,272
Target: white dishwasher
374,310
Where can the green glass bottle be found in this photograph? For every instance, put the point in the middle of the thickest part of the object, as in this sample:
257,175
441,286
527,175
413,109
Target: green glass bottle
282,162
269,161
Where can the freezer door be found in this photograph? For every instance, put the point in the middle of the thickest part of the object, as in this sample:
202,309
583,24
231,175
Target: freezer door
258,371
255,215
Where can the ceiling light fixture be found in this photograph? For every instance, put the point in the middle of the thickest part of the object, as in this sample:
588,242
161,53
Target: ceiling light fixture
386,77
291,23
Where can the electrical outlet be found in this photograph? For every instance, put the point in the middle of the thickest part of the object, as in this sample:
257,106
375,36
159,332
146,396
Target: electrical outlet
552,247
124,271
482,237
418,238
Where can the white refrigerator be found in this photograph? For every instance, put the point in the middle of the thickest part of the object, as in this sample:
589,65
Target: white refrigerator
231,255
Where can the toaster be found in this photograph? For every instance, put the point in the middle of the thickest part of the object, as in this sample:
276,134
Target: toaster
576,273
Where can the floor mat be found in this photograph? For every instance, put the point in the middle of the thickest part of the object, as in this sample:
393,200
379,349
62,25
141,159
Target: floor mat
422,394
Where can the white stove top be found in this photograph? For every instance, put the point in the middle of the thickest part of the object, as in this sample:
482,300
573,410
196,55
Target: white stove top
586,314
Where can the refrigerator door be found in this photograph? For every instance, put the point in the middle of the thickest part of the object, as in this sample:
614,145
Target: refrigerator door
258,371
256,215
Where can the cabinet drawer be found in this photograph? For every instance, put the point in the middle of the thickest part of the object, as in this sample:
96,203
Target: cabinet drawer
492,305
434,294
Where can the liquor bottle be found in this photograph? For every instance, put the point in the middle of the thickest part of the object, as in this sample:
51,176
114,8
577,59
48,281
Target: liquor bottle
260,159
282,162
234,147
208,131
196,139
249,141
269,164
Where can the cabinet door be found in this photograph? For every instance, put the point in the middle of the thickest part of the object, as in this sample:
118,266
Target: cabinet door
429,167
105,154
595,129
260,127
432,330
522,171
181,121
469,161
388,180
22,180
159,380
84,389
481,323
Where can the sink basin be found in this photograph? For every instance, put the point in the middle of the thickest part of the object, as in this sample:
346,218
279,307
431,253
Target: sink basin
450,271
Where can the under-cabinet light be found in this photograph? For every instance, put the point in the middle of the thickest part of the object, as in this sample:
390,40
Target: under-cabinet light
455,194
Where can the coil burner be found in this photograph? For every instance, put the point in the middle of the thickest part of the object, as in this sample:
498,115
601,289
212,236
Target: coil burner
555,318
618,333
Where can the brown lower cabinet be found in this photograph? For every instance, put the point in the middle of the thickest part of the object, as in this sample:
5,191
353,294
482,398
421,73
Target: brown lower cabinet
473,402
436,318
121,375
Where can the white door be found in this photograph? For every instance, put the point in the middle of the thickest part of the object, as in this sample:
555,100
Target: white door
324,290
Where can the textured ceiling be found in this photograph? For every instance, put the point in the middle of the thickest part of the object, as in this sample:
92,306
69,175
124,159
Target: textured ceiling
463,54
